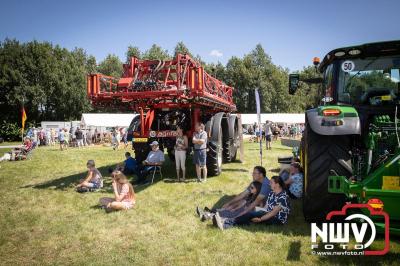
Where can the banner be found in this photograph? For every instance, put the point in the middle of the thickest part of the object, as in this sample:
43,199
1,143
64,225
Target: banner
259,121
24,117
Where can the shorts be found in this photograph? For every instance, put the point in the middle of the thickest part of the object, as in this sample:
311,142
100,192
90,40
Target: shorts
62,141
200,157
94,185
180,159
268,137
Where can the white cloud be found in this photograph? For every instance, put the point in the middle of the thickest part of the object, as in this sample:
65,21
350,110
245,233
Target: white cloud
216,53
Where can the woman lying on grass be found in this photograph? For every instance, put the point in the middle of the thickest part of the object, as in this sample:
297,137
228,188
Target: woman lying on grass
276,210
235,208
93,180
124,196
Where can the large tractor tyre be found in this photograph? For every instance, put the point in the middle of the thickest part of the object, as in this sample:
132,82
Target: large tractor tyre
171,155
227,140
134,126
215,150
141,151
234,135
321,156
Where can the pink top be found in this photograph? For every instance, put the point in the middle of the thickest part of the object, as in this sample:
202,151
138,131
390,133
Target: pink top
123,190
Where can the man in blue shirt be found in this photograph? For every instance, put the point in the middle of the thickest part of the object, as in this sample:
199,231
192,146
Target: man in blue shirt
130,165
275,211
259,175
154,158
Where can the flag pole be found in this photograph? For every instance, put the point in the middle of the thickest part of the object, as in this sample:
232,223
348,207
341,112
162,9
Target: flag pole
259,121
22,120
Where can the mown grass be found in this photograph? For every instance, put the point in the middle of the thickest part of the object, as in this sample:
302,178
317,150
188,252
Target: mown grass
44,221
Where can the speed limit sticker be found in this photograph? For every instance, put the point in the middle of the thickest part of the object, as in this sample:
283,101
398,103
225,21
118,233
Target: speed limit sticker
348,66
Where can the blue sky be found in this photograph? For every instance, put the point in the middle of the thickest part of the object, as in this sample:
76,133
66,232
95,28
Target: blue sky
291,32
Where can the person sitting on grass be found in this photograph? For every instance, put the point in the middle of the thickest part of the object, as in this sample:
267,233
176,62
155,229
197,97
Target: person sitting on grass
294,183
154,158
93,180
130,165
124,195
276,210
259,175
235,208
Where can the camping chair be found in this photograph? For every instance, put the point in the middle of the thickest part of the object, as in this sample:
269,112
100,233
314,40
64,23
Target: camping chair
29,153
154,171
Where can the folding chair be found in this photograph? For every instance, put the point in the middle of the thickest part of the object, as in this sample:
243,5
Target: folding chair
154,171
30,152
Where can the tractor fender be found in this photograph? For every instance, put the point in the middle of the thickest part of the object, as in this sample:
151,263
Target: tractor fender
350,126
217,122
232,119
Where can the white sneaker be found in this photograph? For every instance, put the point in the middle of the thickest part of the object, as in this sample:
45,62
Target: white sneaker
220,221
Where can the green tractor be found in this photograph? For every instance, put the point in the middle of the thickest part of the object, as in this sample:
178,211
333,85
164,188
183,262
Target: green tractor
350,150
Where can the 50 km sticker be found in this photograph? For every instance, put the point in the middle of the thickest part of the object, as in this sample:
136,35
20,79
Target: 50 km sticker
348,66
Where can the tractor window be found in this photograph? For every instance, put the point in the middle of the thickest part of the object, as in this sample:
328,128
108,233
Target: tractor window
328,81
370,81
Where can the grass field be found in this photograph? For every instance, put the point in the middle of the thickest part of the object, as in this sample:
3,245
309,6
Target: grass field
44,221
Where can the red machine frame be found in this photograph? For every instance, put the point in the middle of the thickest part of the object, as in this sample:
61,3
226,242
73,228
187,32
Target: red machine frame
156,84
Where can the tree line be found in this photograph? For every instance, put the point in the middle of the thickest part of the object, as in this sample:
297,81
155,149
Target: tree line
50,81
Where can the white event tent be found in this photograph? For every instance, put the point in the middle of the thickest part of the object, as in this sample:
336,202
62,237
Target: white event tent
100,120
281,118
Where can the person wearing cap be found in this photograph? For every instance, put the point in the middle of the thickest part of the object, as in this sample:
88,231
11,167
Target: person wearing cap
200,151
154,158
294,183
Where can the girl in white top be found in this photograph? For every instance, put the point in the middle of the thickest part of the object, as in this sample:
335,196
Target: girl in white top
181,146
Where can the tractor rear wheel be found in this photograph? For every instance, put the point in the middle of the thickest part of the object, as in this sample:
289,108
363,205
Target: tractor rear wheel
230,139
141,151
171,154
320,158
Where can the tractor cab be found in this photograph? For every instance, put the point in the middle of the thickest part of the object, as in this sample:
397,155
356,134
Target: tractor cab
365,75
350,150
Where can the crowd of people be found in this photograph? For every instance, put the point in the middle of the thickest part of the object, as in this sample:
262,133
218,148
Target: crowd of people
272,131
155,158
265,201
77,137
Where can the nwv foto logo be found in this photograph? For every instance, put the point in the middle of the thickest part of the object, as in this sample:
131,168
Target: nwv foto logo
338,234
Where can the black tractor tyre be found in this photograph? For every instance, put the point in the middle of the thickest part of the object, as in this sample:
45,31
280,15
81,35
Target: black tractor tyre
319,156
227,140
215,151
171,155
141,151
134,125
234,137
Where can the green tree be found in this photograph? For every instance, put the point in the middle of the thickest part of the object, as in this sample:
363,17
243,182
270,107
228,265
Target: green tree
111,66
156,53
133,51
91,65
181,48
49,80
